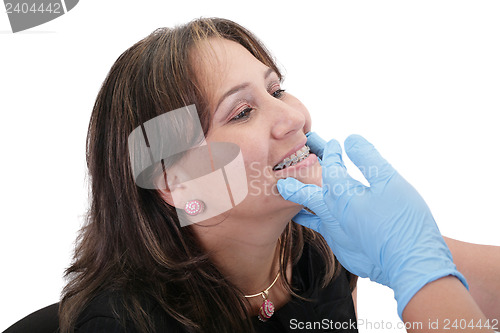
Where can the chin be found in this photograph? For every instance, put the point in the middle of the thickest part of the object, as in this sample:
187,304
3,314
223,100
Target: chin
286,209
266,206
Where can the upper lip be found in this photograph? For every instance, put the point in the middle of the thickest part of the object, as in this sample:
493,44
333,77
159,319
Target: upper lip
291,151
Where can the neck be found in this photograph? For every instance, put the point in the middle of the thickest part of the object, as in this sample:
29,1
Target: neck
246,252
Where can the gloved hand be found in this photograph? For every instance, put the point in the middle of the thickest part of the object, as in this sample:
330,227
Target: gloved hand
385,231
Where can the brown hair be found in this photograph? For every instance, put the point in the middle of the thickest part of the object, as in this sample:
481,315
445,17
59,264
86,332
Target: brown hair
131,242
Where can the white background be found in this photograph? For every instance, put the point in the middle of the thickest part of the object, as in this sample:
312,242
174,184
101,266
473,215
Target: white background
418,79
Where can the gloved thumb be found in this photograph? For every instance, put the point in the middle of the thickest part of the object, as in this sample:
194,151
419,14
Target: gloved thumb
308,220
307,195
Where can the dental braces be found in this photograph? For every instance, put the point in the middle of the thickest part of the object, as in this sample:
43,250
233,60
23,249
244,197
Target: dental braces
293,159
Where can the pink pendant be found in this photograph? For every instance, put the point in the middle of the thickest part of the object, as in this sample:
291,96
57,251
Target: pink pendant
266,310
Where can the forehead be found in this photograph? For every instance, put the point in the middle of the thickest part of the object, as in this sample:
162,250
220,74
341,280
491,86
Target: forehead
222,64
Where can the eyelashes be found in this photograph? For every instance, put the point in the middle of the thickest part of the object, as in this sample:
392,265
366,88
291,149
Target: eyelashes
278,93
243,114
247,110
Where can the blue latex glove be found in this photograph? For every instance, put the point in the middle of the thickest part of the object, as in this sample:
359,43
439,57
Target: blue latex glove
385,232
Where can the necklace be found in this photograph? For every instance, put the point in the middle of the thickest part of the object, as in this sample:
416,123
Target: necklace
267,308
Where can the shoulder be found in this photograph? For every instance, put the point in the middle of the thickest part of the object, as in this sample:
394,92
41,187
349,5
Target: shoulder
107,313
104,313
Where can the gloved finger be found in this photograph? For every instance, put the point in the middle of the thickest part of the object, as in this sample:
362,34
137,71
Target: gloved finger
332,155
336,179
308,195
369,161
316,144
307,220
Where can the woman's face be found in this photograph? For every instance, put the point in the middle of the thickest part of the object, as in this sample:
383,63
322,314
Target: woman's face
249,108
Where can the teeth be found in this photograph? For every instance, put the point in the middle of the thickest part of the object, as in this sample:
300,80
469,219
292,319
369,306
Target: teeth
295,158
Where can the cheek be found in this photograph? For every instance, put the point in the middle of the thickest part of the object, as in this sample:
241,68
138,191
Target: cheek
259,175
255,162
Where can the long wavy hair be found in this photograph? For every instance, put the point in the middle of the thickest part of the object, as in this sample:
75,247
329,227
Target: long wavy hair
132,243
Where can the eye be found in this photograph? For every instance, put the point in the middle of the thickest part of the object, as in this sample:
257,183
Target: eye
243,114
278,93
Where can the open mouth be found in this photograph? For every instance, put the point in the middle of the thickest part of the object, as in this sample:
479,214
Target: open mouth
293,159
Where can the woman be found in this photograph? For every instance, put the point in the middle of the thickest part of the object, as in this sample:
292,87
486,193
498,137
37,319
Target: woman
136,268
133,251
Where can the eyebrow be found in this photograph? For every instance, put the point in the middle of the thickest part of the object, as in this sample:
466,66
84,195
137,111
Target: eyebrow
239,87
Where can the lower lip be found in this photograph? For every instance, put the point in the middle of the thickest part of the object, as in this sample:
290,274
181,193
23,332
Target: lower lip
310,160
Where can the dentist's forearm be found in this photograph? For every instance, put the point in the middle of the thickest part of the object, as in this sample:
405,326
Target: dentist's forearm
445,305
480,264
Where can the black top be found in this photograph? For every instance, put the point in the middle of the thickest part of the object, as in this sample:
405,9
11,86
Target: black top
44,320
329,310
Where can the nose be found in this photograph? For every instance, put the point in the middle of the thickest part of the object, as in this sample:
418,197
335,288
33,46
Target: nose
287,120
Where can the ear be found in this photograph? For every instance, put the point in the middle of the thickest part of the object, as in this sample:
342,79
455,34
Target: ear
169,186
